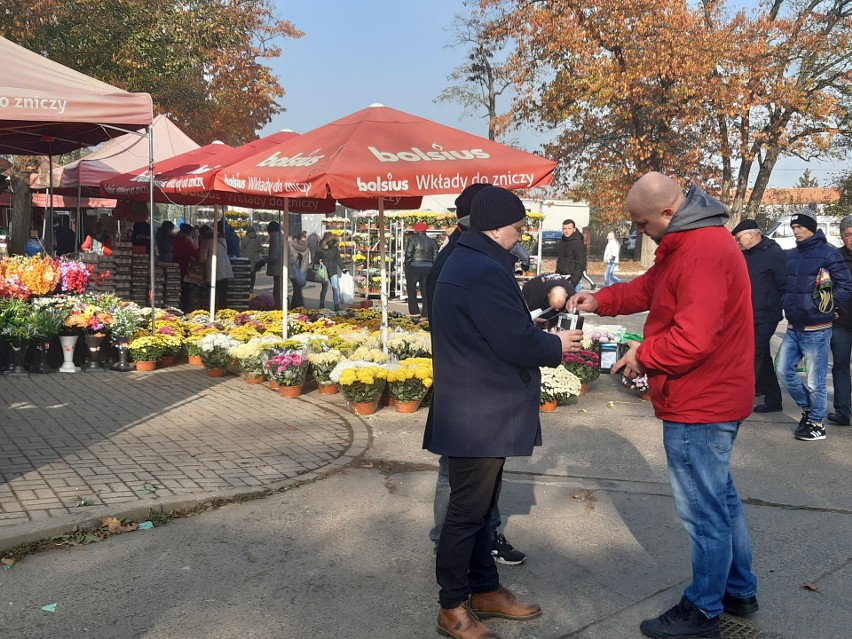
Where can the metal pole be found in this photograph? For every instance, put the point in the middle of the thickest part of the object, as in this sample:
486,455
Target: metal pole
285,264
383,275
214,259
151,250
540,237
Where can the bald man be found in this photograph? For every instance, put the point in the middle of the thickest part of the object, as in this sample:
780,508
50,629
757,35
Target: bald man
548,290
698,353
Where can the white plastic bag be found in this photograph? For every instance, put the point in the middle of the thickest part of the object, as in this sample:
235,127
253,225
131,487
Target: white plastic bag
347,288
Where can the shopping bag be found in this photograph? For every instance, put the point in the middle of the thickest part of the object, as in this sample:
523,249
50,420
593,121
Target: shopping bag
321,274
347,288
194,273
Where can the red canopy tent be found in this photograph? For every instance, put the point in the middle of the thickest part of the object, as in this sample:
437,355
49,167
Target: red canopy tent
378,153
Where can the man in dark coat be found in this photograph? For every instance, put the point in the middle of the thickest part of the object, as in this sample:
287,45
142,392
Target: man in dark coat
486,357
571,254
548,290
767,271
841,340
502,551
817,282
421,251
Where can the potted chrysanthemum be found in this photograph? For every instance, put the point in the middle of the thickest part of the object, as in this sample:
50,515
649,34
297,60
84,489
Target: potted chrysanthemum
584,364
288,369
362,384
215,353
409,383
249,357
557,384
321,365
146,350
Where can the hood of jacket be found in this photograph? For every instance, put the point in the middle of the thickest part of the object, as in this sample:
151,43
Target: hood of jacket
812,242
699,211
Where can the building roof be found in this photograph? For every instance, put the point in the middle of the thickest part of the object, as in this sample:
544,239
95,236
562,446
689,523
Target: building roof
800,196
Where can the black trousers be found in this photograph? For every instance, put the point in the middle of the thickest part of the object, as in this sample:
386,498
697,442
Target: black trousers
415,277
464,563
765,379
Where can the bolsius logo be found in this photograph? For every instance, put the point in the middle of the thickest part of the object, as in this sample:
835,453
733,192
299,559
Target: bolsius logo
382,186
235,182
276,160
438,154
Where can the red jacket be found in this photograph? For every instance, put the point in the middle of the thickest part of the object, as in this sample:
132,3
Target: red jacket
699,335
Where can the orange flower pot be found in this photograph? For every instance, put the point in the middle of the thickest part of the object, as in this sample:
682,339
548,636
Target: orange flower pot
146,366
406,407
166,360
328,389
254,378
548,407
273,385
584,388
195,360
364,408
215,372
646,396
290,391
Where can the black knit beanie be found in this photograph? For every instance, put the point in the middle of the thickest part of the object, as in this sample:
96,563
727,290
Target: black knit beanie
806,218
493,208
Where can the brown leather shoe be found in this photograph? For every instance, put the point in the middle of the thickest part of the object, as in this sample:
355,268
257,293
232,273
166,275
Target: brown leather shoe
461,623
502,603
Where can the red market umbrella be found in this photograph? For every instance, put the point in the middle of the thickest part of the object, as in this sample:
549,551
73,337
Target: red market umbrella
378,153
188,179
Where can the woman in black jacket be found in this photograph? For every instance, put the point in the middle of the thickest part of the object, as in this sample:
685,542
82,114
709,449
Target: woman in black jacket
328,255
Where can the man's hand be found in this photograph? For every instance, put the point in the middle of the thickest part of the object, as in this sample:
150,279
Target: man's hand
628,365
571,340
584,302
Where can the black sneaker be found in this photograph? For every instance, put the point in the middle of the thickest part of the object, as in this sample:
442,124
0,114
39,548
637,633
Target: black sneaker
834,418
812,432
504,553
740,606
683,621
803,422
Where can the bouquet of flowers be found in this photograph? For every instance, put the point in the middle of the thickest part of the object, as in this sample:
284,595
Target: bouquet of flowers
288,369
74,276
91,319
17,319
584,364
639,383
48,321
147,349
125,322
558,384
215,350
249,354
411,381
363,384
323,363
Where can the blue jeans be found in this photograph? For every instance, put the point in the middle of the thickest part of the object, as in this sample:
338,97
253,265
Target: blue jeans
710,509
442,498
841,347
813,346
335,292
609,274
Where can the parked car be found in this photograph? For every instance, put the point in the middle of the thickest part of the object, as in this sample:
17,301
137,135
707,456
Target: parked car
549,240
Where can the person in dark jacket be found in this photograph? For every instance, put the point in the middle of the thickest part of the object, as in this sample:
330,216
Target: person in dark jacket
328,254
486,355
571,254
817,283
548,290
164,241
767,271
841,340
184,251
502,551
421,251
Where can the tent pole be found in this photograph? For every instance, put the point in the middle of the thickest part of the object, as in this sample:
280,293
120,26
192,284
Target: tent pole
214,254
383,275
47,224
151,251
77,226
285,264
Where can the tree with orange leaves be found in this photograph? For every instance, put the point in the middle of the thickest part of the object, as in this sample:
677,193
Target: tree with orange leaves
202,61
688,89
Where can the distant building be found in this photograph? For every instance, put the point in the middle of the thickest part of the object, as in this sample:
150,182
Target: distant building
778,202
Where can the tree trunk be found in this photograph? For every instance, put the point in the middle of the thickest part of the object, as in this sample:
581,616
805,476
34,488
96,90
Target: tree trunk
762,180
647,250
22,215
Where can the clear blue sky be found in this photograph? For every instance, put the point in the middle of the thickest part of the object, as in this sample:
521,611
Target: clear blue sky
356,52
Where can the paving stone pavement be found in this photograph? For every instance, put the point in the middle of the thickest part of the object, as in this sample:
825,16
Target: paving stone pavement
77,443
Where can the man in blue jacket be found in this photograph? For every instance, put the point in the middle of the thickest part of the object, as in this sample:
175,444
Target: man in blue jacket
486,357
841,340
767,271
817,281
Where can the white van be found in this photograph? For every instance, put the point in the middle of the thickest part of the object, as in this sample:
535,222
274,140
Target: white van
781,232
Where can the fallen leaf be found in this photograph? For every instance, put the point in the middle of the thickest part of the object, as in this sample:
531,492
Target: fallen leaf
610,404
7,561
810,586
115,527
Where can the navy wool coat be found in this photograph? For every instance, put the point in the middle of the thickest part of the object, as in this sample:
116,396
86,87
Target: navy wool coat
485,353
